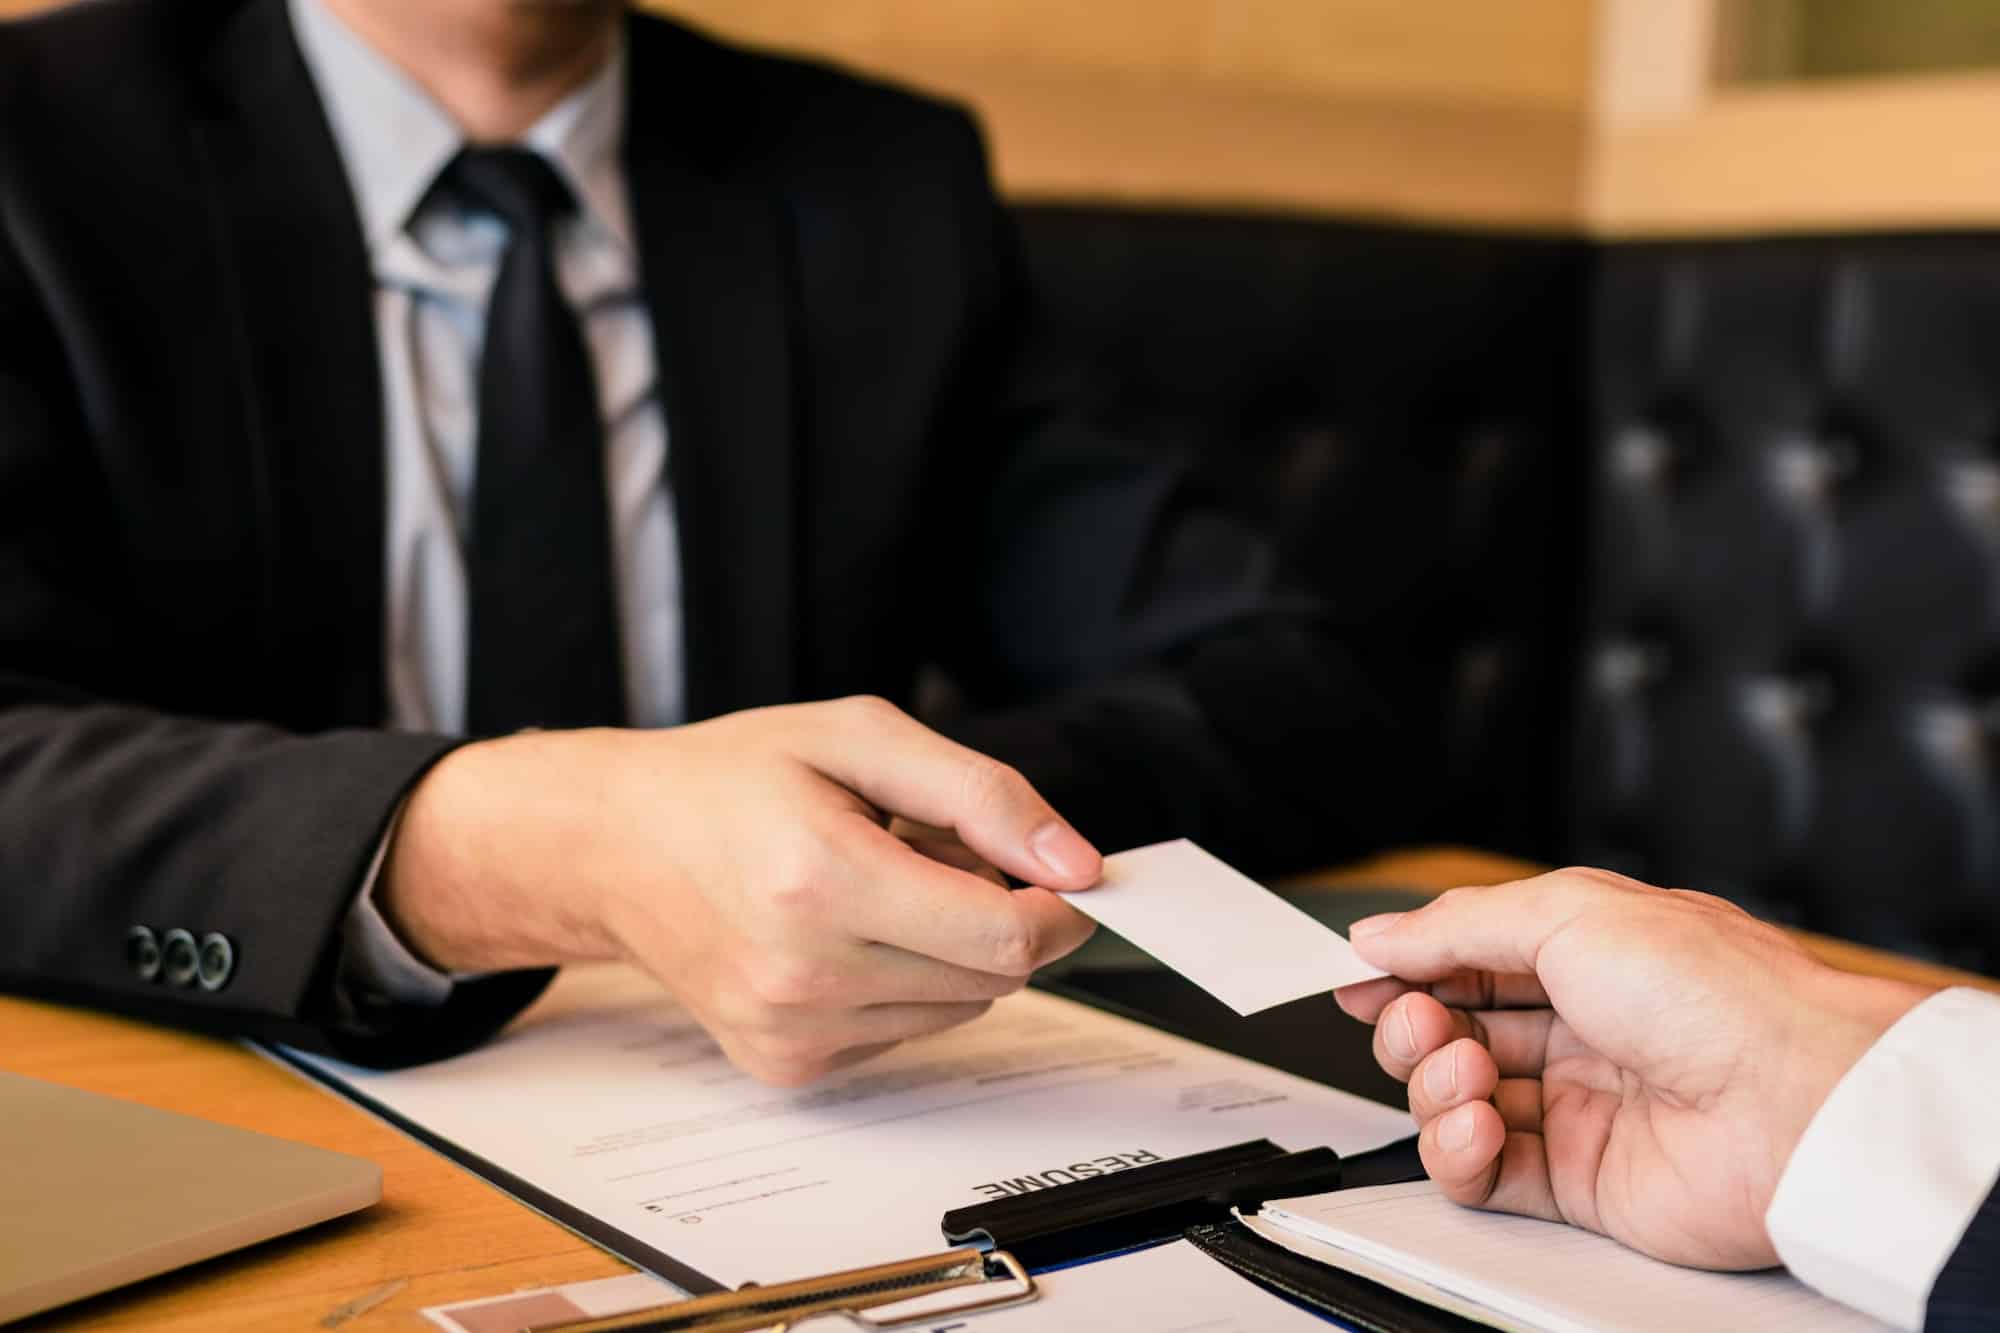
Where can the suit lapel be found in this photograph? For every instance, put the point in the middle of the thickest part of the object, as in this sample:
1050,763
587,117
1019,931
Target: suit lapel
290,238
714,264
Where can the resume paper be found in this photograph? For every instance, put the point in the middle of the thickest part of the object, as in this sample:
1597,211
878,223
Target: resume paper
608,1100
1220,929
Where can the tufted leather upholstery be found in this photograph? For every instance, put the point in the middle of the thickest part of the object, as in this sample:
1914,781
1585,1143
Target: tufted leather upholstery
1791,689
1386,401
1683,559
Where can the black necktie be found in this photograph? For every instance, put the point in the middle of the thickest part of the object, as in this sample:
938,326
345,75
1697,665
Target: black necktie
542,631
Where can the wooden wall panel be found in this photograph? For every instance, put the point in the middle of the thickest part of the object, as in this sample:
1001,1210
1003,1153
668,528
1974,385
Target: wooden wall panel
1682,145
1059,135
1534,51
1461,113
1870,155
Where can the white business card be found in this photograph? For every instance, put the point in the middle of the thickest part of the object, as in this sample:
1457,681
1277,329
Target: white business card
1219,928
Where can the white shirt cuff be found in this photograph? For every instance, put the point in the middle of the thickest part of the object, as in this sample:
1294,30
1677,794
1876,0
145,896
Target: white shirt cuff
1895,1165
373,959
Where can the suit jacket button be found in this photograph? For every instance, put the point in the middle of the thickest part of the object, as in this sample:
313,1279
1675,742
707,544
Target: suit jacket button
142,952
179,960
217,963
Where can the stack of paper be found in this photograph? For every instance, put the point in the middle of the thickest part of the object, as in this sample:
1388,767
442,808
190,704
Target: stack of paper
1522,1274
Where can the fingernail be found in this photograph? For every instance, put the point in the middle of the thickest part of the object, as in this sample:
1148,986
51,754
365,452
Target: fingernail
1401,1035
1441,1076
1455,1129
1063,850
1373,925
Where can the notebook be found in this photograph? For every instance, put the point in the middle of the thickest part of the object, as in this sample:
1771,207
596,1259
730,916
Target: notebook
96,1192
1521,1274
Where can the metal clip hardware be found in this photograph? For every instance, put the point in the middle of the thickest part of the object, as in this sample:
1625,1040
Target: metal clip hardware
851,1294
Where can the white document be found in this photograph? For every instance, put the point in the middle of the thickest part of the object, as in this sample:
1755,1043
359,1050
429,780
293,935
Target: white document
610,1098
1521,1273
1220,929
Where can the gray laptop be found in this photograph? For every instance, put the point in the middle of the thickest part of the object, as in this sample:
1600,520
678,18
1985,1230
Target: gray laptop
95,1192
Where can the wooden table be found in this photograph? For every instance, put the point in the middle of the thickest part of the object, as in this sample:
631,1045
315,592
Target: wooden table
440,1233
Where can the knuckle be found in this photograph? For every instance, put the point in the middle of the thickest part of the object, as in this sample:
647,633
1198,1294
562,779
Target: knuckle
1015,949
985,782
784,1073
798,882
786,982
1709,901
1452,899
794,895
740,1015
1599,877
751,1054
784,1048
871,710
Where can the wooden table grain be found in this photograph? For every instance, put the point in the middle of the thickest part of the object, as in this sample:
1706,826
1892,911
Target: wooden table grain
441,1233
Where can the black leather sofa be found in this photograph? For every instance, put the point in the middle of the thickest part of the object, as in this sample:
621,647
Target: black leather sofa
1681,558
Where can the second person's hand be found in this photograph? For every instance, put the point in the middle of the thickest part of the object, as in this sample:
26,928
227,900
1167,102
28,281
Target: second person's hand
1641,1062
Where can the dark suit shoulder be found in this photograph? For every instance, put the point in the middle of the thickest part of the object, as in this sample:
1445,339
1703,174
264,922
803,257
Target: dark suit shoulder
80,48
769,106
85,75
67,33
784,81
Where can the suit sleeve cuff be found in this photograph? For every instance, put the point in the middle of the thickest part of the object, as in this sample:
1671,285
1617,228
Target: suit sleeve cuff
1894,1166
374,962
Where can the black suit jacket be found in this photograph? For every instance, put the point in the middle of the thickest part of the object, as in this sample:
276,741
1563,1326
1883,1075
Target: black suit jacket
875,464
1966,1296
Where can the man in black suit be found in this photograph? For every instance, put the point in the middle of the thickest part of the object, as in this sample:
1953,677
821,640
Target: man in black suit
378,377
1660,1067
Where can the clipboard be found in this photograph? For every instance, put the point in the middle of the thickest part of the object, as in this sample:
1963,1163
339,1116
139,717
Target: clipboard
1004,1242
482,1145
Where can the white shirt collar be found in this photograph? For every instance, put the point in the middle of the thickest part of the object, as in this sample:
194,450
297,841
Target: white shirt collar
395,138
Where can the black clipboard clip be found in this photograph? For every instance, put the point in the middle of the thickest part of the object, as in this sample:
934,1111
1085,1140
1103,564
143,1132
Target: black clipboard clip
1200,1199
1161,1201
